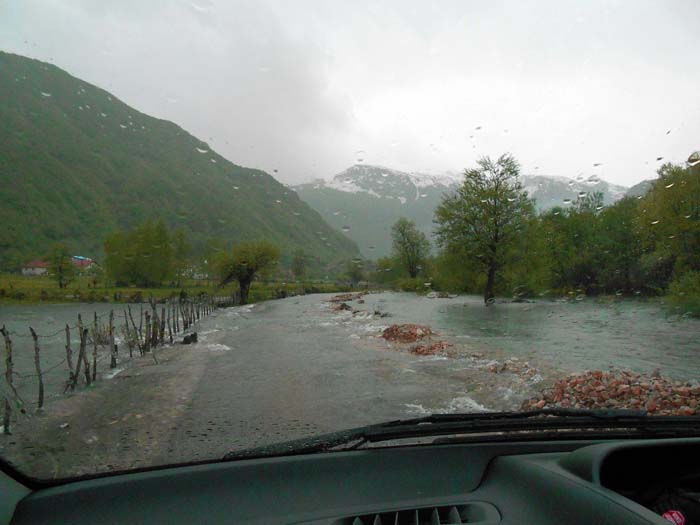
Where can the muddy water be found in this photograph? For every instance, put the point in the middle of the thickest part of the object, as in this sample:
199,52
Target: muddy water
290,368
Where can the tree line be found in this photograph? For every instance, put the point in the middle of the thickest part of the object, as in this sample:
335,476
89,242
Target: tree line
490,240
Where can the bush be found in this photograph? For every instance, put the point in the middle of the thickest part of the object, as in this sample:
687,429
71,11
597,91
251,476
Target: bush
684,294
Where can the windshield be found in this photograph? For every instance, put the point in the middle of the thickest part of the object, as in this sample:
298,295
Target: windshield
226,225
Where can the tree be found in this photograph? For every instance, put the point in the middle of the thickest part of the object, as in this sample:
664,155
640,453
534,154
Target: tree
181,255
484,216
354,271
61,264
299,264
410,246
246,261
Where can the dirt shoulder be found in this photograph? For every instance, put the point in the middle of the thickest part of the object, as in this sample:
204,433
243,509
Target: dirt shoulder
122,423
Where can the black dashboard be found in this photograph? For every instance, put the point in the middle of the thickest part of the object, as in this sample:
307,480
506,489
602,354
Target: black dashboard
534,482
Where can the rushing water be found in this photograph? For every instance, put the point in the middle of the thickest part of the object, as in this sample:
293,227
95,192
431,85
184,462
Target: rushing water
567,336
571,336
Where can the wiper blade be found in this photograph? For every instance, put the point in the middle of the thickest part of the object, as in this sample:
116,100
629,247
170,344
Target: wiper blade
535,420
546,421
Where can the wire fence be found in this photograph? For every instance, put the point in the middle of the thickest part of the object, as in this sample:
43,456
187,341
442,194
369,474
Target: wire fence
104,342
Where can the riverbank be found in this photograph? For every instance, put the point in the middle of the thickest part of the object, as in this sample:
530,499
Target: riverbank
19,289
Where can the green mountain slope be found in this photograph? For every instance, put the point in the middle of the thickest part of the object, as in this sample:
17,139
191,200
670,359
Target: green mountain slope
77,163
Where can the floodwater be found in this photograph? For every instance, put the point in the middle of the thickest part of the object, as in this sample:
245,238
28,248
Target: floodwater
294,367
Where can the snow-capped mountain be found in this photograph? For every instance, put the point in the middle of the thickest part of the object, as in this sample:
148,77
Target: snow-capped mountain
364,201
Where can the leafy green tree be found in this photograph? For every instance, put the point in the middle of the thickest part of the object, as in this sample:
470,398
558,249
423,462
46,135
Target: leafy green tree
410,246
484,216
354,271
61,264
245,262
142,256
181,255
299,264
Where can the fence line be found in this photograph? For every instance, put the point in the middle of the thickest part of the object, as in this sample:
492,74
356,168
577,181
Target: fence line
155,328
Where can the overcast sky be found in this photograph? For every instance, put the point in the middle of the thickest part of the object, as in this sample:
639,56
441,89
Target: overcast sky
308,88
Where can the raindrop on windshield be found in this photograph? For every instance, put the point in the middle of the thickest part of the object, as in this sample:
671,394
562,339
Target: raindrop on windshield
278,201
694,158
655,222
336,213
511,199
275,170
213,161
371,247
659,158
345,228
45,94
423,195
201,150
296,213
477,128
567,201
122,126
582,194
596,164
104,115
669,185
235,187
668,132
598,208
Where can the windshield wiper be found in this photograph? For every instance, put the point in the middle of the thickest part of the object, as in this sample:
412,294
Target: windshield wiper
549,421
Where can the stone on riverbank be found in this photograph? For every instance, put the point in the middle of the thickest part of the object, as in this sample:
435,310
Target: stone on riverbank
406,333
620,389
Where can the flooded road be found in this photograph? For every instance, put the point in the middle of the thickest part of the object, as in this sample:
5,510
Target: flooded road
295,367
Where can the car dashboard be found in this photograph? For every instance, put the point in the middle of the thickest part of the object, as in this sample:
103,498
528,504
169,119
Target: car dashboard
560,482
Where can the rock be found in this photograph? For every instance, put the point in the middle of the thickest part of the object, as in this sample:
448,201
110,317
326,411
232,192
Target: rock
190,339
406,333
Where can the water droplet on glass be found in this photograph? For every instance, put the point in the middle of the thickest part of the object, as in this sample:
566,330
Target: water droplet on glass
371,247
213,161
669,185
360,159
236,188
122,126
668,132
336,213
427,285
567,201
639,197
477,128
385,174
103,115
357,260
571,183
423,195
596,164
556,213
202,150
345,228
511,199
659,158
347,181
598,208
694,158
275,170
687,216
278,201
45,94
655,222
296,213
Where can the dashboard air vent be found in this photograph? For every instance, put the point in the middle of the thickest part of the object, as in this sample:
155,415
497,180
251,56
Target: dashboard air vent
476,512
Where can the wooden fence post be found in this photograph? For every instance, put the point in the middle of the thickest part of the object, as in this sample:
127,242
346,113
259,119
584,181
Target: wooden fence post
147,340
86,361
94,348
112,346
37,366
81,356
8,379
129,341
137,332
69,355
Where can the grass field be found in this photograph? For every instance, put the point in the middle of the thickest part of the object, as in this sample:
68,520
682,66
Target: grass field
18,289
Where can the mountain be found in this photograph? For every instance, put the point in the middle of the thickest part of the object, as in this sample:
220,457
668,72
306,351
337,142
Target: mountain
550,191
364,201
641,188
77,163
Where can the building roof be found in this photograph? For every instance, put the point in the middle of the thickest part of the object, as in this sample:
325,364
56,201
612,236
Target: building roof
36,263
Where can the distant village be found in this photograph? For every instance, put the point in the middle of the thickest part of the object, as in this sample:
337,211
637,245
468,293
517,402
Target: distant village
41,267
